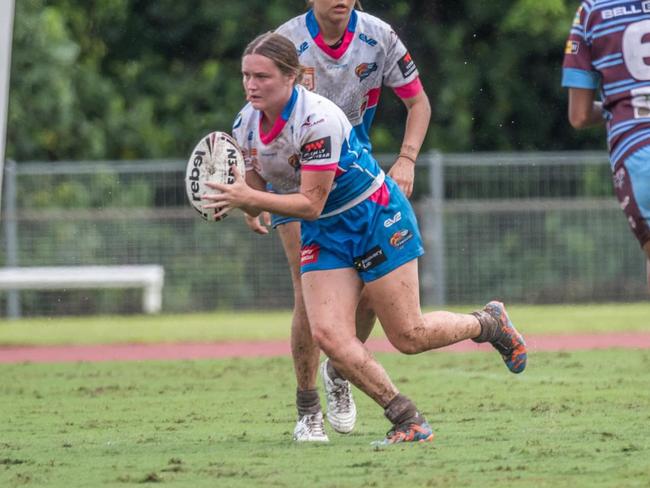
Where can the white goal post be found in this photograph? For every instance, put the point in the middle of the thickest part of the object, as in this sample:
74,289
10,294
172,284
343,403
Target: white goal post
148,277
6,36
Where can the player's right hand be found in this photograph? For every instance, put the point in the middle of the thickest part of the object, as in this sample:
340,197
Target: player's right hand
259,224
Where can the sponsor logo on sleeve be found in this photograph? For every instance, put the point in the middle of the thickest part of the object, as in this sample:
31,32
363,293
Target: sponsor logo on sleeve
371,259
572,47
309,254
364,70
317,149
406,65
399,238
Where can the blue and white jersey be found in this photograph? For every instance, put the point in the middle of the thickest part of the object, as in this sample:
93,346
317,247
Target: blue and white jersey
352,74
311,134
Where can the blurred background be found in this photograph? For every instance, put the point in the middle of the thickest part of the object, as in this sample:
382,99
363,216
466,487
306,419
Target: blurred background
108,97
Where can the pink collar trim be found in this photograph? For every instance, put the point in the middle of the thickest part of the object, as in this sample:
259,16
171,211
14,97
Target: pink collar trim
339,51
278,125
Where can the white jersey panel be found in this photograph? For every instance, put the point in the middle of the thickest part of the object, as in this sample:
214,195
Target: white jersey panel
313,134
375,56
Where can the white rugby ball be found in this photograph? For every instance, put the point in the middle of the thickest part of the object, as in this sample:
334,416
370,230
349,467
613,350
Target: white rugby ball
211,161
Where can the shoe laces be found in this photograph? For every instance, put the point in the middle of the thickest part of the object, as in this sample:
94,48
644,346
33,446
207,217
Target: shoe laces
314,424
341,393
504,342
401,432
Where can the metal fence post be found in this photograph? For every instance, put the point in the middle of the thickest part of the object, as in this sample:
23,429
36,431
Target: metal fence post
10,224
433,271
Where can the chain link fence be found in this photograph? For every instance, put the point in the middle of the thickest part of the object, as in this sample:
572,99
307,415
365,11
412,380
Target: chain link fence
525,227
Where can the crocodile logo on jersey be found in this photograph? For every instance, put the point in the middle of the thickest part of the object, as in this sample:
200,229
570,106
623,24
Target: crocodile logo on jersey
399,238
368,40
364,70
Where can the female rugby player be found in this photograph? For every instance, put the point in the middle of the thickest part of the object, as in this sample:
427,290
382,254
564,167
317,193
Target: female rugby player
343,201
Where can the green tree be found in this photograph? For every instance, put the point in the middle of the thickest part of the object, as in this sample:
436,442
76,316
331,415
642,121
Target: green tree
125,79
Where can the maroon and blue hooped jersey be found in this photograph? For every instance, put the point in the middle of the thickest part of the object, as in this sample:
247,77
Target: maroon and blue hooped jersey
609,49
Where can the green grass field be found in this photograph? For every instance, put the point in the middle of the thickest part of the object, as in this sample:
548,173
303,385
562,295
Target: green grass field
229,326
572,419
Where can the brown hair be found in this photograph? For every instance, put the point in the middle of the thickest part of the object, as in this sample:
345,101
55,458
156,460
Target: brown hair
357,4
278,49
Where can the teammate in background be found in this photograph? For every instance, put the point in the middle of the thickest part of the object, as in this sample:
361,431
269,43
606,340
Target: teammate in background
608,49
351,236
348,55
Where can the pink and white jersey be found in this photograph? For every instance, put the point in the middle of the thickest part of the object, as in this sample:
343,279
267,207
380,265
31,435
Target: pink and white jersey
609,48
311,134
352,74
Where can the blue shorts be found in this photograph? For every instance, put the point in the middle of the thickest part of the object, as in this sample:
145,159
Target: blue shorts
375,237
632,187
281,219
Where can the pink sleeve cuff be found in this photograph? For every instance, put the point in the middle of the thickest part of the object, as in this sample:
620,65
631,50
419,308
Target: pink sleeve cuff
320,167
410,89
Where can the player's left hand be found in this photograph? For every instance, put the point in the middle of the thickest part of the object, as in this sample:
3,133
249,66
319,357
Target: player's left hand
403,172
259,224
230,196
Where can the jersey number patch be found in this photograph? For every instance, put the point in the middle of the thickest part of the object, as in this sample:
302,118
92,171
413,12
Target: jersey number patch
635,52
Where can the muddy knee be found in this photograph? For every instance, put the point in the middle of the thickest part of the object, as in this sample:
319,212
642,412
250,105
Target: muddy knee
327,340
407,342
